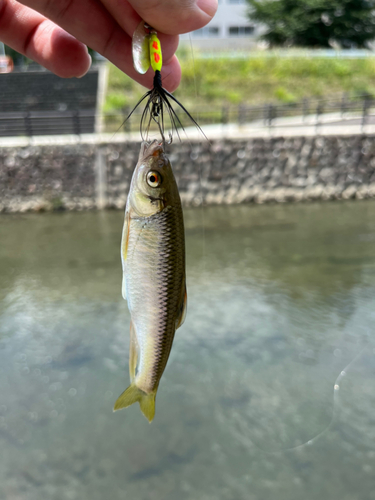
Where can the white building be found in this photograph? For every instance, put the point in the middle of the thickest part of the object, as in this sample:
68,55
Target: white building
230,28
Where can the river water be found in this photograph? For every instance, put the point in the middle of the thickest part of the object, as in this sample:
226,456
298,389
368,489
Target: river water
270,388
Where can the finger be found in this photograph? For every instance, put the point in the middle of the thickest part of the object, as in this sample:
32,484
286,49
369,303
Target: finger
36,37
175,17
90,22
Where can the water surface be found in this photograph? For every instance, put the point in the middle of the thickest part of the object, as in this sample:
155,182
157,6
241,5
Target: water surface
280,310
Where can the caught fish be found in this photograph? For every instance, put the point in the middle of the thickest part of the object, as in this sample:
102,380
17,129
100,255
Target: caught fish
153,260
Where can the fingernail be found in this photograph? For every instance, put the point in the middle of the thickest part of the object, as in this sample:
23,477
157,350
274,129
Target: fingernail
88,67
208,6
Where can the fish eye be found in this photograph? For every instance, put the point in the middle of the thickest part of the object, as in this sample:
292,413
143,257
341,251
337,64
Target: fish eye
154,179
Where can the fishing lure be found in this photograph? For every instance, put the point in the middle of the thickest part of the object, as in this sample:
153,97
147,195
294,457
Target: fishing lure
147,52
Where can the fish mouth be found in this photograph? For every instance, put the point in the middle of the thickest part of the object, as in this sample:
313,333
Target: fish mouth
151,149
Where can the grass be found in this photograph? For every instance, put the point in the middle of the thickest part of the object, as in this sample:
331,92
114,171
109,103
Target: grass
214,83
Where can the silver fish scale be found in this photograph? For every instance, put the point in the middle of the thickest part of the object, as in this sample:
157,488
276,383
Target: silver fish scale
155,277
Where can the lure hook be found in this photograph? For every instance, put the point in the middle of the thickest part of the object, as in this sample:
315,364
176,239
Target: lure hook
156,120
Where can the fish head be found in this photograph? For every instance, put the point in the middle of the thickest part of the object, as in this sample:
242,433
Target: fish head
153,185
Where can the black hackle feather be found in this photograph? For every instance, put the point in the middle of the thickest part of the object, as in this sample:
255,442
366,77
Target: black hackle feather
158,99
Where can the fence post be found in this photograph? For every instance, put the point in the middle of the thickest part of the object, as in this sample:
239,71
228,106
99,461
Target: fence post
101,178
241,114
265,113
305,108
28,124
366,107
224,115
343,104
269,114
319,111
76,122
273,113
126,123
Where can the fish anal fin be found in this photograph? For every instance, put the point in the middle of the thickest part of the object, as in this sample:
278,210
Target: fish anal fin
133,352
183,307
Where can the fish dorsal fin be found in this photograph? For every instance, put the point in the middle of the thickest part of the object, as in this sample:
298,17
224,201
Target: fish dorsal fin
133,352
124,248
183,307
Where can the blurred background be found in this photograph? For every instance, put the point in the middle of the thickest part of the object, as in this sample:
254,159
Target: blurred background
269,389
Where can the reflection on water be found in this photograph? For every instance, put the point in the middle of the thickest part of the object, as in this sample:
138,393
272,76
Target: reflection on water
281,301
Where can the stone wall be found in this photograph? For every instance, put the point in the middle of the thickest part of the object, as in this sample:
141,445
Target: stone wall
45,178
83,176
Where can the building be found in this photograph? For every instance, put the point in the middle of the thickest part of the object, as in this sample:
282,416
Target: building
230,28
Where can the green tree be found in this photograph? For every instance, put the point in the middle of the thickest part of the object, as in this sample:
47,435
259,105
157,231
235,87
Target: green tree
316,23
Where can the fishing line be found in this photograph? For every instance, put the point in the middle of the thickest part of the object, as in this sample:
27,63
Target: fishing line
203,221
194,75
336,396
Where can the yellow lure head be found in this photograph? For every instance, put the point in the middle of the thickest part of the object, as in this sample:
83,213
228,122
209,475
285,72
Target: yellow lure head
156,58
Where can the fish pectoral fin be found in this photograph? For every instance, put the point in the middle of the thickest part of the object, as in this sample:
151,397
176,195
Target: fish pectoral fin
123,290
183,307
133,394
124,249
133,352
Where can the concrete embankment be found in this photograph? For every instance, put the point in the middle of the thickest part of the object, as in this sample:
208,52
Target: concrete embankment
94,173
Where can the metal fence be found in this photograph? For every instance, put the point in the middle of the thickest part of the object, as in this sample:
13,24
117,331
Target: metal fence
341,110
32,123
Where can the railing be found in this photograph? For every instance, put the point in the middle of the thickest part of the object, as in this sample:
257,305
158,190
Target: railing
342,110
33,123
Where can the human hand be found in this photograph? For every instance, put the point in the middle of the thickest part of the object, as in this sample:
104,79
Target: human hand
55,33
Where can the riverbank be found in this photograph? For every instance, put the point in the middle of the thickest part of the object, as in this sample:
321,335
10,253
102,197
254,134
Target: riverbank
95,173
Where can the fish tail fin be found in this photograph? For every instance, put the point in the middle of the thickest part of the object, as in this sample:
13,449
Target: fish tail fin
133,394
147,404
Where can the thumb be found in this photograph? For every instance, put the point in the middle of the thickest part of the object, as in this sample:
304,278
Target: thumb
174,17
